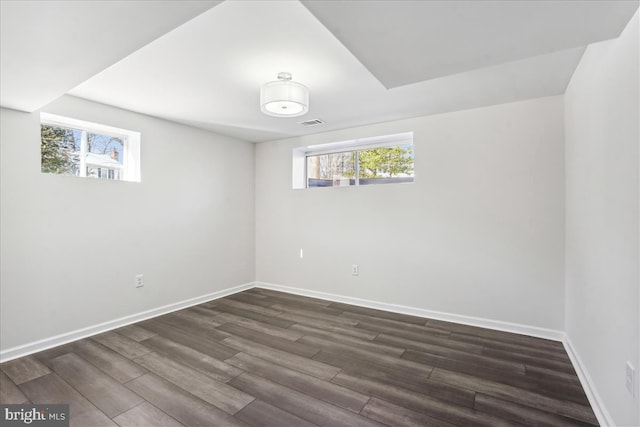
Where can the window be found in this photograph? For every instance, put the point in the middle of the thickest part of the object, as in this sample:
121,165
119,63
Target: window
79,148
379,160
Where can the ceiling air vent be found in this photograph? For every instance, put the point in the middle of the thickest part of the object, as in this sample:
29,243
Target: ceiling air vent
314,122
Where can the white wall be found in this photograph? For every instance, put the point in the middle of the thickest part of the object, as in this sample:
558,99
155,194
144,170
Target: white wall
601,120
480,232
71,247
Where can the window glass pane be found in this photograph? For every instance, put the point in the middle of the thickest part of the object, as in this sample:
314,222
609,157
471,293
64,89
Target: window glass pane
60,150
331,170
386,165
75,147
104,156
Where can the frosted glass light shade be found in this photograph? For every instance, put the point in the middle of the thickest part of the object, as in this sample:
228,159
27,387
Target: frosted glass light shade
284,98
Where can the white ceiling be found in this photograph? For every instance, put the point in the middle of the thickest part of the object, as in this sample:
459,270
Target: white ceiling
403,42
435,56
49,47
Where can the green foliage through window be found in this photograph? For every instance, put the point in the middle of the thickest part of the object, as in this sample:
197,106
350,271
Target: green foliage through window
386,162
58,150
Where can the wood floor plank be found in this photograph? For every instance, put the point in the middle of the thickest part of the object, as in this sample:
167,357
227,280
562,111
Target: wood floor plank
291,297
108,361
276,321
309,307
449,353
216,393
323,330
10,393
261,327
301,405
550,353
146,415
522,414
273,312
405,318
386,333
371,323
516,395
214,368
254,299
135,332
302,305
350,362
368,345
205,310
104,392
46,356
332,318
394,415
551,374
121,344
424,334
557,389
249,292
179,404
421,403
554,365
190,317
292,361
24,369
315,322
50,388
507,337
271,341
196,327
261,414
430,346
311,386
382,359
209,305
210,347
400,378
202,310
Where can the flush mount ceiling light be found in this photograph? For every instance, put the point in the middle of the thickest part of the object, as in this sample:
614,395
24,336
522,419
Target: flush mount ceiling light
284,97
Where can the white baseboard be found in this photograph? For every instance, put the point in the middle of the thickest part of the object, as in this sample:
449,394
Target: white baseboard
603,416
516,328
67,337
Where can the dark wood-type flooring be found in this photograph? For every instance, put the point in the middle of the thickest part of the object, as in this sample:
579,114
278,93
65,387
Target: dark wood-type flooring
268,358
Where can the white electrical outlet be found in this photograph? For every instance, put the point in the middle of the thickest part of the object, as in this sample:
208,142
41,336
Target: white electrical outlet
139,281
355,270
301,253
630,378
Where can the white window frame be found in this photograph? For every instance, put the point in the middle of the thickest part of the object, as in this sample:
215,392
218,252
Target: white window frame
131,143
300,154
